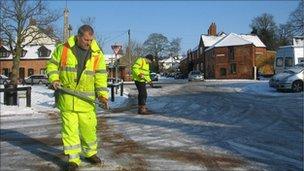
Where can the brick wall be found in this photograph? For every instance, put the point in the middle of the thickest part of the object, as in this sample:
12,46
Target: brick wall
36,65
220,66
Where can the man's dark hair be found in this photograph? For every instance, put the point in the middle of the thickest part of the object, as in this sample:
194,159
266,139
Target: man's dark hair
85,28
149,56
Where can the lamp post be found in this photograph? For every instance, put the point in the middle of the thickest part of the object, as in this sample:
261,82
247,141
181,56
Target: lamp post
116,48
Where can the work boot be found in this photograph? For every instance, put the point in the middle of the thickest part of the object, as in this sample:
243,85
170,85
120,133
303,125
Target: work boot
94,159
142,110
72,166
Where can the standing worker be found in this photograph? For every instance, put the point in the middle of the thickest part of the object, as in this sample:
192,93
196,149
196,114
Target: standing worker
141,76
79,65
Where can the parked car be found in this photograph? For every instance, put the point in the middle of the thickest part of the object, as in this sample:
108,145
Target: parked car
178,75
3,79
291,79
196,76
36,79
153,76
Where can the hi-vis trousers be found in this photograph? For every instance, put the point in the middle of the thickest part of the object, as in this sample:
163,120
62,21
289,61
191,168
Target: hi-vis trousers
78,133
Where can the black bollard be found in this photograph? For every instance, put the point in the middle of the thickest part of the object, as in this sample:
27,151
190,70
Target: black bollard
10,94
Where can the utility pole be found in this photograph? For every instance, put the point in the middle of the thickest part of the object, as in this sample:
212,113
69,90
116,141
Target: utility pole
66,27
129,49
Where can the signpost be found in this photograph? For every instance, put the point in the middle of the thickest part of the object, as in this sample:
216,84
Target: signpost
116,48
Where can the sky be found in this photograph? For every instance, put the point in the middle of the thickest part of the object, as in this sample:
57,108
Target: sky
184,19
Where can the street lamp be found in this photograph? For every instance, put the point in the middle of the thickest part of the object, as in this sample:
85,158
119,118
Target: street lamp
116,48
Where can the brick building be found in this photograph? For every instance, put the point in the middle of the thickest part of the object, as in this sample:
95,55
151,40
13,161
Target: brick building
222,56
32,61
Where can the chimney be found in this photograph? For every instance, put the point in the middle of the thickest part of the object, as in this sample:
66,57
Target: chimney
212,30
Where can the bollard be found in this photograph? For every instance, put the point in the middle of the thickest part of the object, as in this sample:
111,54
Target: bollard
112,93
10,94
121,89
28,96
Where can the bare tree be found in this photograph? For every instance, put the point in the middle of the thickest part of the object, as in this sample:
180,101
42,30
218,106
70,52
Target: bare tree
296,20
284,34
136,50
156,45
17,31
174,47
265,28
91,21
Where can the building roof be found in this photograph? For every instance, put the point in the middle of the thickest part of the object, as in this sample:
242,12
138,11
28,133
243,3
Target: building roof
111,58
32,52
236,40
170,60
254,39
211,40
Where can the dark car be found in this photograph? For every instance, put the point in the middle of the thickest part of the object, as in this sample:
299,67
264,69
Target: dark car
36,79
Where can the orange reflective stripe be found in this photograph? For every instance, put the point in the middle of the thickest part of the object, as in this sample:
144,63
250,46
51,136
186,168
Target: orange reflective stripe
96,61
64,55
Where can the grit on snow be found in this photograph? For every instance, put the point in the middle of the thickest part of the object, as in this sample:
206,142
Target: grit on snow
212,125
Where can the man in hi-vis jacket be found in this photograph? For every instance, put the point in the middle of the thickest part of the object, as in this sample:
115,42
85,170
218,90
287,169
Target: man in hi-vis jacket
141,76
79,65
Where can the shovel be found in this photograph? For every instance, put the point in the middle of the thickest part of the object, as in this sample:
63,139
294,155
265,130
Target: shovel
83,97
155,86
152,85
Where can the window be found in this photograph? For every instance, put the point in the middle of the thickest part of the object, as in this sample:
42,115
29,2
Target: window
300,60
5,71
201,50
231,53
23,53
223,71
30,72
288,62
21,72
42,71
232,68
4,54
279,62
43,52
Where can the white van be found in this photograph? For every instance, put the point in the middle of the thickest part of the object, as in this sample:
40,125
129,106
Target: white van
289,56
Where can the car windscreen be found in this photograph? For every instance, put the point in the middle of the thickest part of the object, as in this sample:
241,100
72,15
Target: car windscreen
196,73
294,70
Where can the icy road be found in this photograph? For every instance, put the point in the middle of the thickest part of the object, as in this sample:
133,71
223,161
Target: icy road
213,125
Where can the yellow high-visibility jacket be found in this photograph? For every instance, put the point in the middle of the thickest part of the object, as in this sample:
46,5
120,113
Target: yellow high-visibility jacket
92,82
141,66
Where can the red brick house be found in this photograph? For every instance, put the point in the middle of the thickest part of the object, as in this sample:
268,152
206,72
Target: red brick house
224,56
32,61
233,57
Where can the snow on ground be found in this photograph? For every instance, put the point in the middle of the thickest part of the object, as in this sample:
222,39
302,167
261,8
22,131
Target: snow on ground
43,100
215,124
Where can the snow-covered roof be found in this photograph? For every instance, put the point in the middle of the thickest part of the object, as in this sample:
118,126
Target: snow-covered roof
111,58
254,39
32,52
298,41
236,40
169,60
231,40
211,40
